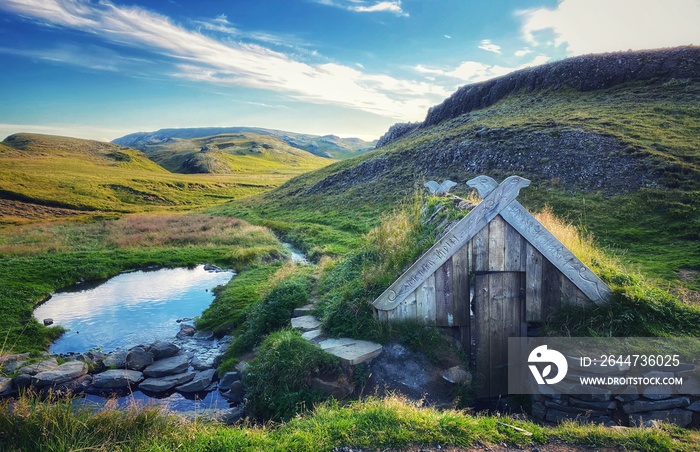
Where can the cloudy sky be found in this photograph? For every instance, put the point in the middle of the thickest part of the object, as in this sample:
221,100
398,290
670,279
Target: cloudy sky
104,68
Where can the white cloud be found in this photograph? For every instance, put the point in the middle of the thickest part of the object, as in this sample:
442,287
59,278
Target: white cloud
487,45
475,71
522,52
593,26
447,36
362,6
202,58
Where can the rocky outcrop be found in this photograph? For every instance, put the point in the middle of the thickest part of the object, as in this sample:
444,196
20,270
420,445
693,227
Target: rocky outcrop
61,374
397,131
582,73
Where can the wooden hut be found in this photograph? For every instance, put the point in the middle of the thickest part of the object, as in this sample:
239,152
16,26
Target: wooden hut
496,272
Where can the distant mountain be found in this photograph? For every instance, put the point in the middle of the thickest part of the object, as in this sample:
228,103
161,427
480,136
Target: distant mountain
230,153
328,146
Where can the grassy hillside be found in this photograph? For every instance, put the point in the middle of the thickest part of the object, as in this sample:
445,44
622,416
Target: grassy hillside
239,153
43,176
329,146
620,162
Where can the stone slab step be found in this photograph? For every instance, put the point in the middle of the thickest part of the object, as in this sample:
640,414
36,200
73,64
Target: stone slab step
305,323
304,310
312,335
352,352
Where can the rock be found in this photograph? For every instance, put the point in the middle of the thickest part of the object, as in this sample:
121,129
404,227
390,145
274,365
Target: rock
304,310
200,382
233,415
185,331
212,268
203,361
457,374
695,406
305,323
63,373
116,360
312,335
681,418
78,385
600,397
638,406
14,358
339,388
43,366
241,366
162,384
162,350
228,379
611,405
203,335
169,366
22,381
354,352
236,393
48,322
5,385
138,359
117,378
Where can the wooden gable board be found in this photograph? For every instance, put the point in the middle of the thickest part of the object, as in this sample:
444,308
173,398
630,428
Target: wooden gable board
497,199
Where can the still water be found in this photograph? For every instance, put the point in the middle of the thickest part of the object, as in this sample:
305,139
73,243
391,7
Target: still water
130,309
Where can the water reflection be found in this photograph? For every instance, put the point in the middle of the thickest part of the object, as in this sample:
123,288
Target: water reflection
130,309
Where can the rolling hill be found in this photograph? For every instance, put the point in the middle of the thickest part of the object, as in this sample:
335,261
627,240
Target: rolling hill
609,141
243,152
45,176
329,146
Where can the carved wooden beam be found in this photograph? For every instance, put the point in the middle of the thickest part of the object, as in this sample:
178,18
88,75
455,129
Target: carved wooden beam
497,200
548,245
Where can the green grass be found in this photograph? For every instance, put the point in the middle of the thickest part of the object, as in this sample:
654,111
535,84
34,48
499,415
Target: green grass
391,423
60,254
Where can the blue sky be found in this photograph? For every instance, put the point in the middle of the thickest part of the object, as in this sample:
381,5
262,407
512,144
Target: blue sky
104,68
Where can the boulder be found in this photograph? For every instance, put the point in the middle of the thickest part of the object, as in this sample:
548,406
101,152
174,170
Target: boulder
5,385
236,393
339,388
162,350
203,335
200,382
63,373
185,331
22,381
78,385
48,322
43,366
116,360
162,384
228,379
138,359
117,378
233,415
204,361
169,366
457,374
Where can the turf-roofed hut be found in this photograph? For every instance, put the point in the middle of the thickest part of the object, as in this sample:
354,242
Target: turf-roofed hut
495,274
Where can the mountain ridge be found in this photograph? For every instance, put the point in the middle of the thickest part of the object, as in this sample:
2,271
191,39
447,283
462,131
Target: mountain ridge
329,146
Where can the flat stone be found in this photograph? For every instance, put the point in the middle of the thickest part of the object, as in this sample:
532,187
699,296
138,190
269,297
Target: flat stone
304,310
13,358
116,360
305,323
203,336
233,415
330,343
681,418
162,350
200,382
312,335
639,406
117,378
599,397
203,361
169,366
43,366
162,384
65,372
355,352
610,405
138,359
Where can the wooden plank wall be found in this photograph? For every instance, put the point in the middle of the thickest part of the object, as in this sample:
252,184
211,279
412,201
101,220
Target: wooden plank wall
443,299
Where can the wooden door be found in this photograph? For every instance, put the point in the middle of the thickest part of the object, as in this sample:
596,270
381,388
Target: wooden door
499,313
